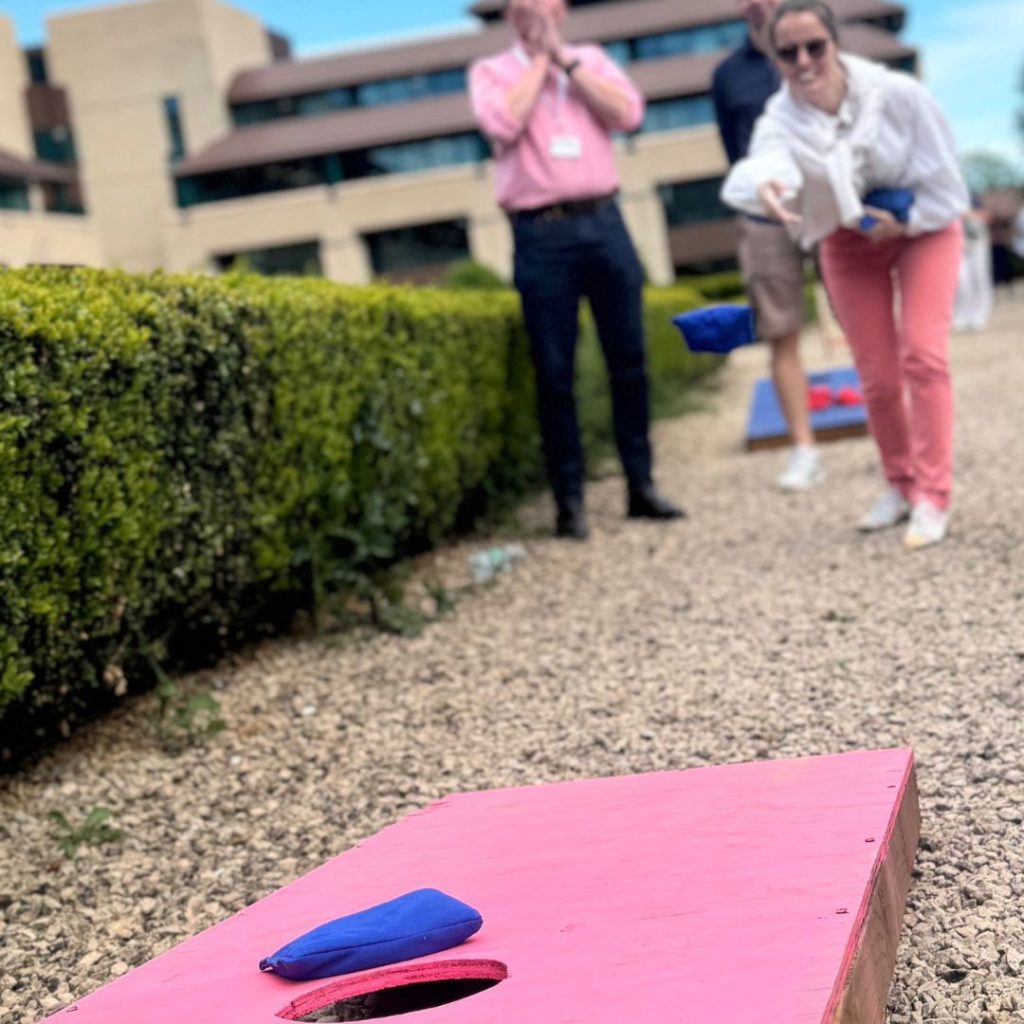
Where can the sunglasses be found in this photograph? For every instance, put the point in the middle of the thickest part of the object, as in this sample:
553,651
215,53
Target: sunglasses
815,50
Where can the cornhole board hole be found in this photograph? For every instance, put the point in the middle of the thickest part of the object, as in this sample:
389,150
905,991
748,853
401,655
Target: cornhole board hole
766,426
766,893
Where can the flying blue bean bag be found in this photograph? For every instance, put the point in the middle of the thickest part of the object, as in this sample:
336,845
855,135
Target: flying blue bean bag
419,923
896,201
717,328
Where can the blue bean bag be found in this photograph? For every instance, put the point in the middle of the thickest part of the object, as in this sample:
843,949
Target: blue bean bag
896,201
419,923
717,328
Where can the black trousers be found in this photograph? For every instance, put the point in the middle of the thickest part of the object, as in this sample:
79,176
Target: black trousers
557,262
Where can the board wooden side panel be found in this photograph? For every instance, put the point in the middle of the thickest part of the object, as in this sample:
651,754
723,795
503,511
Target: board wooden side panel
826,434
866,992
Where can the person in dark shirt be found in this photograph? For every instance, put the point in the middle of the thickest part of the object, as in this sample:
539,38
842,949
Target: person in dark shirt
771,261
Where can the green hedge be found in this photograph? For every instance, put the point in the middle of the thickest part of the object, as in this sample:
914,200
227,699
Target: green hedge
183,459
727,285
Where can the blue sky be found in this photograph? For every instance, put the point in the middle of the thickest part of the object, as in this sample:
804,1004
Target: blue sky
973,49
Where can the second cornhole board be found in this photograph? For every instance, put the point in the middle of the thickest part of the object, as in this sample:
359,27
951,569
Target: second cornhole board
764,893
766,426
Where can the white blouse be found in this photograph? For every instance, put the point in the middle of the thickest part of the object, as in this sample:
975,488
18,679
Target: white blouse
889,133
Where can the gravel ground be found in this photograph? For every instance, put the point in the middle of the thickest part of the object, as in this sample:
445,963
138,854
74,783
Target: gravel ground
762,627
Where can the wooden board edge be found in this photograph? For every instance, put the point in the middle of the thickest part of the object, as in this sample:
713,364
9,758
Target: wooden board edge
831,434
866,994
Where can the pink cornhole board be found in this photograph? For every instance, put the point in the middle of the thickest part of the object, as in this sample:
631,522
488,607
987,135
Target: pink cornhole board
765,893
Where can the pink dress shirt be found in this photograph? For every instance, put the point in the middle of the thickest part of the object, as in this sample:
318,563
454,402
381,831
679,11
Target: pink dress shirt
526,174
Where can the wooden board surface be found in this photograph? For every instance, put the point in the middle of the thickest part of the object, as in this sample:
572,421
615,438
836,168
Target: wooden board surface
765,893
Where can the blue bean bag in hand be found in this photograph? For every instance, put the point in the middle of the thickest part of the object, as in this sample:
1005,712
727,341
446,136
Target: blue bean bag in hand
419,923
896,201
717,328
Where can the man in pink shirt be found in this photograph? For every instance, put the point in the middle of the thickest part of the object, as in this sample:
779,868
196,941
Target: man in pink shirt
549,111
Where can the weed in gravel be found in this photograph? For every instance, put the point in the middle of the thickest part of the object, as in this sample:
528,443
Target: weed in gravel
94,831
185,719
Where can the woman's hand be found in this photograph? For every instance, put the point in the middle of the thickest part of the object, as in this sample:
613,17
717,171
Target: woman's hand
772,195
886,226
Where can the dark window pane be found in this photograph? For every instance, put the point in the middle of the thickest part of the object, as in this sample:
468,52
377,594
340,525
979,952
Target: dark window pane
250,181
620,51
417,246
331,168
702,39
298,259
55,144
681,112
410,88
60,198
420,156
37,71
172,116
693,202
13,195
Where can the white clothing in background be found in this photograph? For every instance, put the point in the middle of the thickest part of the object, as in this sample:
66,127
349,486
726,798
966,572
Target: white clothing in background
974,290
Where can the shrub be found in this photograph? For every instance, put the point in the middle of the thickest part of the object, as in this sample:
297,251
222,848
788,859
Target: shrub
725,286
187,460
470,274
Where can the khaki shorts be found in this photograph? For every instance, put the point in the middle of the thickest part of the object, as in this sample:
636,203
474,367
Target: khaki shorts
773,272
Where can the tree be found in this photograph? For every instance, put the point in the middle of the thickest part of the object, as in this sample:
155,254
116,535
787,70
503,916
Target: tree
1020,112
986,170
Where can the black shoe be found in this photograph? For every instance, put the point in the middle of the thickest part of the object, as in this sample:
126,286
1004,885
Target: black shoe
647,503
571,521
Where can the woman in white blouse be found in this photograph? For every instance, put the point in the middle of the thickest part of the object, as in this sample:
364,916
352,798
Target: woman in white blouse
839,128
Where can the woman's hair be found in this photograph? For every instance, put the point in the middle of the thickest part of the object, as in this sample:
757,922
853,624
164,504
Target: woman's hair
825,15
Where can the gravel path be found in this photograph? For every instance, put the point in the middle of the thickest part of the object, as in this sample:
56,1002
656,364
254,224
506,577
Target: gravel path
762,627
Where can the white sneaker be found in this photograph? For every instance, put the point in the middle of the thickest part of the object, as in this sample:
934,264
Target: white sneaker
889,510
803,472
928,525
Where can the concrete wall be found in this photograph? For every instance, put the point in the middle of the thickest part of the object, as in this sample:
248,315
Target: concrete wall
118,63
15,134
28,237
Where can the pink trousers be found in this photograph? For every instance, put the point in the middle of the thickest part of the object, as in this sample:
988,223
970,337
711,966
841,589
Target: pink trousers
894,300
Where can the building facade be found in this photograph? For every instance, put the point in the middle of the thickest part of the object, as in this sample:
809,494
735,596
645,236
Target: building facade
180,134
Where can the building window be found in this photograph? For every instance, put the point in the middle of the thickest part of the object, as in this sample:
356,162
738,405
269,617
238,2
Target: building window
703,39
693,202
411,88
620,51
368,94
307,105
36,60
331,168
907,63
300,259
418,247
55,144
62,198
402,158
172,117
13,194
681,112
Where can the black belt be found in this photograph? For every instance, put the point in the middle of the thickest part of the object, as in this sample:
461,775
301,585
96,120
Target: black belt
762,220
559,211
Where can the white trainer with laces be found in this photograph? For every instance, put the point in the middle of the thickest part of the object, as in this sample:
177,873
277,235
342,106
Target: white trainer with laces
928,525
890,509
803,472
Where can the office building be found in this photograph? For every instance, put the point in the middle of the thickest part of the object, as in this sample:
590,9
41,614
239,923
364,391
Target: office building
183,134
